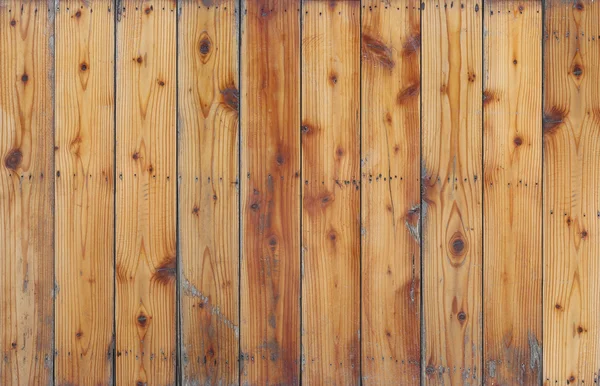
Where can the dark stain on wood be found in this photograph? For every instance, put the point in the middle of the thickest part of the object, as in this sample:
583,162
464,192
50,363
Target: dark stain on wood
166,273
377,52
231,97
552,120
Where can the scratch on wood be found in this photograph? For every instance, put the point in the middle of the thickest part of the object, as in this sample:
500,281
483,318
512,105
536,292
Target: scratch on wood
413,223
190,290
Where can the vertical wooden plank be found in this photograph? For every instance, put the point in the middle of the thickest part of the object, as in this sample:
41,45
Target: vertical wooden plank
391,258
146,192
571,211
512,192
208,191
331,191
26,192
270,120
452,219
84,219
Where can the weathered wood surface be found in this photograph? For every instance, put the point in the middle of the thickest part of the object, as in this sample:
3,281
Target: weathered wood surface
146,260
331,192
208,192
292,192
270,183
451,57
390,175
26,192
571,211
512,192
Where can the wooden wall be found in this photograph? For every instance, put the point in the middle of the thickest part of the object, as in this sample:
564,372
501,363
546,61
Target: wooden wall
277,192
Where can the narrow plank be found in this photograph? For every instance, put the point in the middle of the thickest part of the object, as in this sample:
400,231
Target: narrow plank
84,219
208,192
391,257
571,195
26,192
270,124
146,193
331,192
452,205
512,192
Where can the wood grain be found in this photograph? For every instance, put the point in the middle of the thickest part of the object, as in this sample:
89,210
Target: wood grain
146,193
84,192
571,211
208,192
331,192
452,212
391,257
270,124
26,192
512,192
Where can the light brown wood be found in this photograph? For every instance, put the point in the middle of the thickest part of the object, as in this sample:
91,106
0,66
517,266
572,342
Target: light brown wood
391,257
84,219
571,196
146,193
208,192
26,192
512,107
452,212
331,192
270,180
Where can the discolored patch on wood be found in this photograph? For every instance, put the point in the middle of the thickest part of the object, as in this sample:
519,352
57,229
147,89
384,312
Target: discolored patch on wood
552,120
490,96
375,51
166,273
408,93
412,45
13,159
231,97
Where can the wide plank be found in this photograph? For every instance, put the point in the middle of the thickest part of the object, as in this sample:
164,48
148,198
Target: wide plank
26,192
270,181
208,192
84,218
512,103
452,193
390,174
331,192
571,146
146,263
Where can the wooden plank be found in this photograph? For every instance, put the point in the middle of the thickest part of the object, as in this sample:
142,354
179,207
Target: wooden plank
208,192
571,195
391,258
146,193
512,192
270,124
84,217
452,219
26,192
331,192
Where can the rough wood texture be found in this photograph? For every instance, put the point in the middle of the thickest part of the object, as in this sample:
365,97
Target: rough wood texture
452,205
391,256
146,193
571,196
512,107
208,192
84,192
331,192
270,124
26,192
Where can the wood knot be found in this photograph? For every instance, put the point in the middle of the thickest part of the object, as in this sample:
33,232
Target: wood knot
136,156
13,23
79,334
83,67
280,159
161,82
231,97
205,46
333,78
24,78
518,141
78,14
409,92
142,319
457,245
584,234
148,10
462,317
577,70
377,52
255,206
139,59
13,159
579,6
